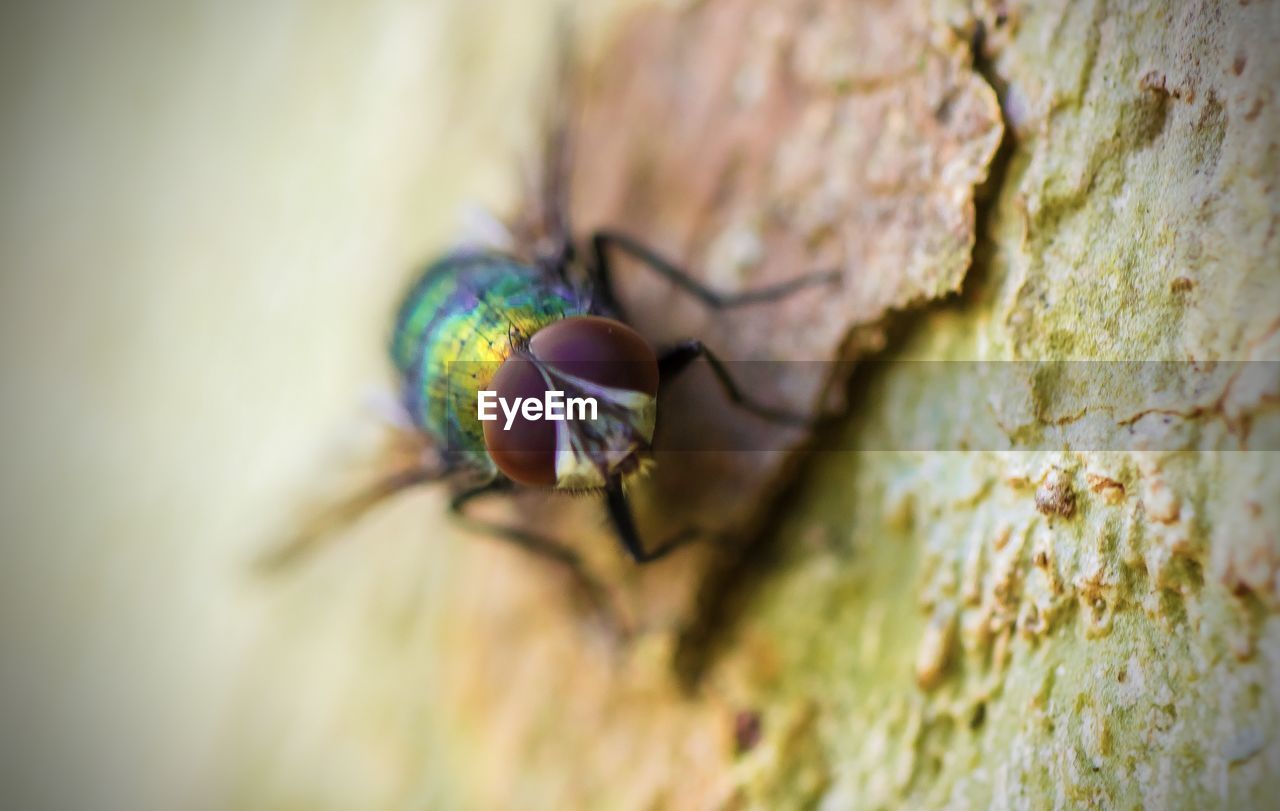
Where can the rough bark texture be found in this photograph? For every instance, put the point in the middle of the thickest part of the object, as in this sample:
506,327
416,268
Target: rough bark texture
989,628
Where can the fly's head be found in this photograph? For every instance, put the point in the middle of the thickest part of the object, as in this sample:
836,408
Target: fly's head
595,383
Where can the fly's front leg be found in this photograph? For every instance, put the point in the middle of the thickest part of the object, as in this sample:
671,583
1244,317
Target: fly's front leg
625,525
678,358
601,241
553,551
528,541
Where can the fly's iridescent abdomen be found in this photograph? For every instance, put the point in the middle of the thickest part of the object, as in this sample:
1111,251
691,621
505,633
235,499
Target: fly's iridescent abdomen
465,313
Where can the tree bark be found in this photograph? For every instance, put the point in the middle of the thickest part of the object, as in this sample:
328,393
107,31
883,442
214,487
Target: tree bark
1047,619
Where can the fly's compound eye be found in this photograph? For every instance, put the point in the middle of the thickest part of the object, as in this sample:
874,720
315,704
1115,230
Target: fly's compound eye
584,358
599,350
526,450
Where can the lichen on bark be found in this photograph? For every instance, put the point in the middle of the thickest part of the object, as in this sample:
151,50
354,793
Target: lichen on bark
1083,631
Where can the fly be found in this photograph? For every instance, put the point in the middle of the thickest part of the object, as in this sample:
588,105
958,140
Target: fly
515,328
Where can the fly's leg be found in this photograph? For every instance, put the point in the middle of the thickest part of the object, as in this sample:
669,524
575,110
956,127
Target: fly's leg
625,525
552,232
553,551
528,541
326,524
601,241
678,358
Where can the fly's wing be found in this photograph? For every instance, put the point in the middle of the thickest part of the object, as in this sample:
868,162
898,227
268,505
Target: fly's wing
479,231
376,460
542,227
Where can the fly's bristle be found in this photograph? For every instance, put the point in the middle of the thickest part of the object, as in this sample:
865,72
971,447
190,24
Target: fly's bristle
578,492
641,471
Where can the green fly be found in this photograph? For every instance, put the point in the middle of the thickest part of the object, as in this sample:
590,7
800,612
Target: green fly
485,321
518,327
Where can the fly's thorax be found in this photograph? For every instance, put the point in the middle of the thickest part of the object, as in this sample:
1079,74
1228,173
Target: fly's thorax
575,407
463,318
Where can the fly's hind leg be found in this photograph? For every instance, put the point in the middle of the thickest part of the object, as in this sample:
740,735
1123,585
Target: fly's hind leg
594,592
678,358
601,241
325,524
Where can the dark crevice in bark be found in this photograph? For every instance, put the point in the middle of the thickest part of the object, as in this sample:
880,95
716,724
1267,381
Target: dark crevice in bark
733,581
987,195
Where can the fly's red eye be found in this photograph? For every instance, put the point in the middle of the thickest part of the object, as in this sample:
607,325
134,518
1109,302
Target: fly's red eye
601,350
525,452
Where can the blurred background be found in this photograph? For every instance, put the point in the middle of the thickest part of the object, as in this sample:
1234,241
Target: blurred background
208,214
